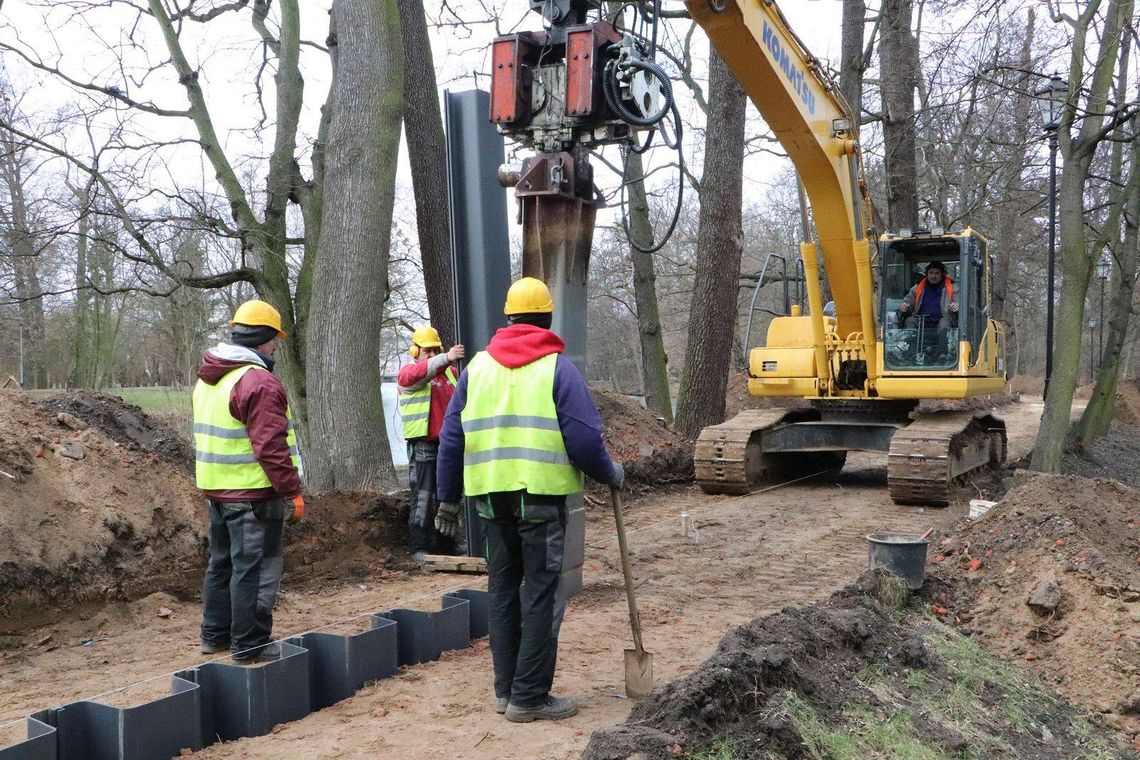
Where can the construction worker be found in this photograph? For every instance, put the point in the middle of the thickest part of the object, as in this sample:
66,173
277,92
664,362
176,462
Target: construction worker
931,300
425,387
248,465
520,431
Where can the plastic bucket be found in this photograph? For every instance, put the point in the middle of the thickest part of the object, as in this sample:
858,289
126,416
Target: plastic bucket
903,554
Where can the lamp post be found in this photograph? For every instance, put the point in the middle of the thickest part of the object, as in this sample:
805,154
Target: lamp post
1103,272
1051,100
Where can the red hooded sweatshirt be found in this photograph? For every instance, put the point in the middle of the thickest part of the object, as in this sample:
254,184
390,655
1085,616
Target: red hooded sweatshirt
259,401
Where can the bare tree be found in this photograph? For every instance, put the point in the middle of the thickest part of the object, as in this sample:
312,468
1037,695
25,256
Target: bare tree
347,415
899,69
427,151
1078,150
712,318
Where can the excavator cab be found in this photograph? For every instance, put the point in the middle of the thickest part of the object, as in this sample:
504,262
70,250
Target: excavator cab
913,343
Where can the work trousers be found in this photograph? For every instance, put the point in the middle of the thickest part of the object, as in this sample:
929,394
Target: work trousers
525,542
244,574
422,535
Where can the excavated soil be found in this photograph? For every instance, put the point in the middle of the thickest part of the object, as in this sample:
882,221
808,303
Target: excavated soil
125,424
649,450
1083,535
85,517
97,504
864,672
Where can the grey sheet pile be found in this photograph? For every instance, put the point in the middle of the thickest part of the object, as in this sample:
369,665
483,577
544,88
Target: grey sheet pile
219,701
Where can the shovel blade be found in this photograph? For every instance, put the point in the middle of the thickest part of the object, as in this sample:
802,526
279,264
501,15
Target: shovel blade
638,673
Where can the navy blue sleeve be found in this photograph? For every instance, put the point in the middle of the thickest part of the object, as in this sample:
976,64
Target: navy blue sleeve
581,425
449,460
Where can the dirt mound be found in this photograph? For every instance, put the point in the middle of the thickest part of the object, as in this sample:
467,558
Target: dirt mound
124,423
972,404
865,673
1071,545
649,450
1116,455
1128,402
84,517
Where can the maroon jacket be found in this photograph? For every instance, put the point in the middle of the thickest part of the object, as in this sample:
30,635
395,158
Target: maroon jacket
259,401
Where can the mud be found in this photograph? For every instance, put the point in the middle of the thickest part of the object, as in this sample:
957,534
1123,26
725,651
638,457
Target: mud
124,423
649,450
808,680
1084,536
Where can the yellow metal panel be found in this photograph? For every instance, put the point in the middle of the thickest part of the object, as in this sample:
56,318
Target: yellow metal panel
927,386
782,362
794,332
788,387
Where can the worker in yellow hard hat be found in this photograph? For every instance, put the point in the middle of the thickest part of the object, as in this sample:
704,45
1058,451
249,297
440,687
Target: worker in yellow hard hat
425,387
518,435
247,465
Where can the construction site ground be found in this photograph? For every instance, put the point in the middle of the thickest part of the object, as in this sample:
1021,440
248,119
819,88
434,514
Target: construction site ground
756,554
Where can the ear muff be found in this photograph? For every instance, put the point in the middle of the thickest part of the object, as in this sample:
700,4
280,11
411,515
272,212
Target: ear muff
414,351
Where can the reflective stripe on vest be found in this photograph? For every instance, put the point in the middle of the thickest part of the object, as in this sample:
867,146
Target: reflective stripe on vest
223,454
415,408
511,433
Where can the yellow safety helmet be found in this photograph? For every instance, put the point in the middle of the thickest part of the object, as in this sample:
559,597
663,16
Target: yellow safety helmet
258,314
528,296
425,336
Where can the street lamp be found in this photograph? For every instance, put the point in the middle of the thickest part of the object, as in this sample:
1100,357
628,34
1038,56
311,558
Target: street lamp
1103,271
1051,100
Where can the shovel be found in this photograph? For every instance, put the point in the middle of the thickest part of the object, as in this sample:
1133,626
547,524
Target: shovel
638,662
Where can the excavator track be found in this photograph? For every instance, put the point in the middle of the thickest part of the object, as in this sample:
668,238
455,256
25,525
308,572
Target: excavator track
728,458
937,448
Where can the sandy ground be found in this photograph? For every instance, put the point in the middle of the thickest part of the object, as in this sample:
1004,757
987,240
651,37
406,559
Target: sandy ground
755,554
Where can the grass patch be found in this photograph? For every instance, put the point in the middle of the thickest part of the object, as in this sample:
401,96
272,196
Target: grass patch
722,748
155,400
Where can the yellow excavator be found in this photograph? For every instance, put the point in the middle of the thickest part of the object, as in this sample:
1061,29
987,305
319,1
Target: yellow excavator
864,369
588,79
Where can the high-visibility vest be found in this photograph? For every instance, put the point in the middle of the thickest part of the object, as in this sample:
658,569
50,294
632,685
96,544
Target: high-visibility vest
223,454
510,427
415,408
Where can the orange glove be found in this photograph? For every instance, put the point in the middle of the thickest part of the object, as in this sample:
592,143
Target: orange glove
298,507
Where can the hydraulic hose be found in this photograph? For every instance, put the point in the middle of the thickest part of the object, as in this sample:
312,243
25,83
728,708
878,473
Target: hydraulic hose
612,94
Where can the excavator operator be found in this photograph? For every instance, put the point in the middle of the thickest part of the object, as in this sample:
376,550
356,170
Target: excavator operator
931,302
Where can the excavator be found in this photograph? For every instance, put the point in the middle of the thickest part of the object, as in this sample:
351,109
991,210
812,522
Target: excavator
859,363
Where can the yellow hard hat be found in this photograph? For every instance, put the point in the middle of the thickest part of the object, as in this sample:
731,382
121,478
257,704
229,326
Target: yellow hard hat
258,314
528,296
425,336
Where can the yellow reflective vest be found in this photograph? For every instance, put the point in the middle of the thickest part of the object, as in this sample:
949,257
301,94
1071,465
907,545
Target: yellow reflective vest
223,454
415,407
511,433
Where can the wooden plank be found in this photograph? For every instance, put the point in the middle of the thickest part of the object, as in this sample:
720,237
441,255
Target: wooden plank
445,563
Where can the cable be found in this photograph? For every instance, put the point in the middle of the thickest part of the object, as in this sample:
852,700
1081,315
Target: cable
611,92
654,248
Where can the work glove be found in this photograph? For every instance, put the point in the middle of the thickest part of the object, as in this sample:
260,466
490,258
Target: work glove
298,507
447,519
618,480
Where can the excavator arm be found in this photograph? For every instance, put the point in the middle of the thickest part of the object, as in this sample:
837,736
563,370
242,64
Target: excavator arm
819,132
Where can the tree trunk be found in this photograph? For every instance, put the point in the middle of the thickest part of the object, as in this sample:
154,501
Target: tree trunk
1076,265
348,441
851,65
22,245
654,363
712,317
1097,416
1010,211
427,151
898,61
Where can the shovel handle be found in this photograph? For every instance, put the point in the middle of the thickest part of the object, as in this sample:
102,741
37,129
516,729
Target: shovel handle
634,618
